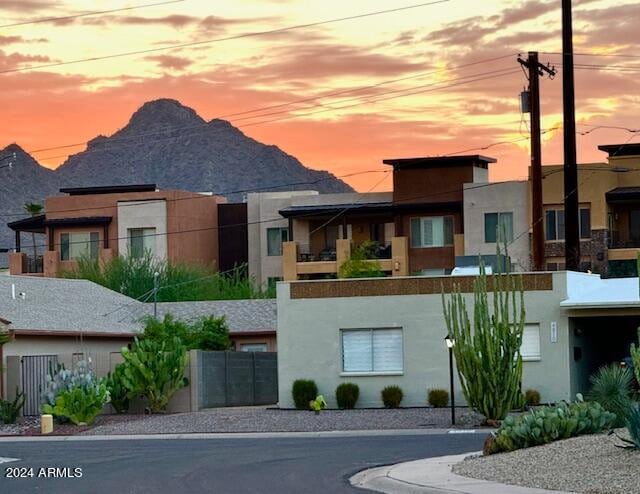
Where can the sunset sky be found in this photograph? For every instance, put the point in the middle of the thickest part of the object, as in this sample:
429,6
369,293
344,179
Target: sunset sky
345,133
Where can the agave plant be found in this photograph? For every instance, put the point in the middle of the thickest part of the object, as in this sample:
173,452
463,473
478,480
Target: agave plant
612,388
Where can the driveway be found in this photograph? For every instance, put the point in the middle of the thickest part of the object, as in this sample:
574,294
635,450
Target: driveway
244,465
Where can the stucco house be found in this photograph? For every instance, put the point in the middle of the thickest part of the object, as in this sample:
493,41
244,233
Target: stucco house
383,331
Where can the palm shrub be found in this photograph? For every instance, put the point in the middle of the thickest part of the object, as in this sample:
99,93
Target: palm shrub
303,392
118,391
438,398
9,410
611,386
154,369
551,423
80,404
488,358
392,396
347,395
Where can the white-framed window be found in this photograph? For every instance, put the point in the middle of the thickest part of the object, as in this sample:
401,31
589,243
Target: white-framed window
253,347
431,231
74,245
376,350
497,225
141,240
530,348
275,237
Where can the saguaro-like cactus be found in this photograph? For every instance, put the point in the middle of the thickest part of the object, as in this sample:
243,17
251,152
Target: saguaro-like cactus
488,358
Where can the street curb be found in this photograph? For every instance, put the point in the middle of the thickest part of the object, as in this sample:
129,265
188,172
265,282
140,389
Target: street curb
241,435
433,476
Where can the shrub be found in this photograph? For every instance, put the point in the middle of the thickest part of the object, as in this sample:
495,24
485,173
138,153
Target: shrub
206,333
551,423
80,404
487,352
633,427
9,410
392,396
347,395
304,391
612,388
532,397
134,277
360,264
438,398
118,391
318,404
155,370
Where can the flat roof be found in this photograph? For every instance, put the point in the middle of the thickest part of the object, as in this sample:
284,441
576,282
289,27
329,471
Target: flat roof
108,189
615,150
322,209
83,220
439,161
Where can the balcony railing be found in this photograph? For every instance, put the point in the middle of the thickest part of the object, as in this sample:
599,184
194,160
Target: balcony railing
618,241
375,250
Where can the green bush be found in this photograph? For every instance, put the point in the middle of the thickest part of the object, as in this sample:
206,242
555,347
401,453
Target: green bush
154,369
532,397
438,398
304,391
633,427
118,391
611,386
551,423
318,404
361,264
392,396
347,395
207,333
9,410
80,404
134,277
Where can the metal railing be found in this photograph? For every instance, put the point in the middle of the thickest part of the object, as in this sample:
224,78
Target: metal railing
33,264
618,241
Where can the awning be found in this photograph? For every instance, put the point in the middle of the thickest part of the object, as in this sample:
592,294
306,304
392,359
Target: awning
623,194
33,224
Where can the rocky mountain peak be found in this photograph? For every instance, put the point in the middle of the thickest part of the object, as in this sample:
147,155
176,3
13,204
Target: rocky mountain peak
164,113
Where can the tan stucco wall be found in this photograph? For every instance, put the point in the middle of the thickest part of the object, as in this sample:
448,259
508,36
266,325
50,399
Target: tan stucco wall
309,344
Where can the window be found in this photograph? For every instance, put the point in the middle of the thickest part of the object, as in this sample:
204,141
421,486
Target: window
436,231
554,224
275,237
76,245
142,240
530,349
253,347
372,350
496,225
272,281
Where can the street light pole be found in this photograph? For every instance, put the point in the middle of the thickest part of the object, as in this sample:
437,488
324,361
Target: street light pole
450,343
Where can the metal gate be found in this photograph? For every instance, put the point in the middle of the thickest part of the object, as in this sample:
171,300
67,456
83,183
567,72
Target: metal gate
34,377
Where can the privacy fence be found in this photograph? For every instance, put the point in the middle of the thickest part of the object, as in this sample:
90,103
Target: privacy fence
216,379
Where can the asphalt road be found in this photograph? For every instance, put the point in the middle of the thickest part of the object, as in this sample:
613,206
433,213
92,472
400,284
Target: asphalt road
247,465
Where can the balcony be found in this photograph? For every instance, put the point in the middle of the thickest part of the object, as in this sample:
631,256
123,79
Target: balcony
623,246
299,263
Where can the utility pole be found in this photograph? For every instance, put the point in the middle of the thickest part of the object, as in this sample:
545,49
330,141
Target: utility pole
571,204
536,69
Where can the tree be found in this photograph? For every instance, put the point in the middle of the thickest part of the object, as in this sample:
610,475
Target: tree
488,360
34,209
362,263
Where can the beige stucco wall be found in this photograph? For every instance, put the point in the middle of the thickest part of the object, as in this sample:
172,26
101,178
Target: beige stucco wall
309,344
143,214
499,197
262,210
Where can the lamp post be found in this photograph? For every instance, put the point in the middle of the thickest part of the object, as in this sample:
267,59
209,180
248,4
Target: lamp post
450,344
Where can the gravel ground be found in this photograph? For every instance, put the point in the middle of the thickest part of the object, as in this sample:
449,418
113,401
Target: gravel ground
22,426
261,419
585,464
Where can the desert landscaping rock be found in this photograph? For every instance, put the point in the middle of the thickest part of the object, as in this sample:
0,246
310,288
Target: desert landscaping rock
261,419
585,464
22,426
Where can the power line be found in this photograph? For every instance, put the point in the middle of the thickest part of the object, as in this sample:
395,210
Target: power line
204,196
217,40
86,14
407,92
612,55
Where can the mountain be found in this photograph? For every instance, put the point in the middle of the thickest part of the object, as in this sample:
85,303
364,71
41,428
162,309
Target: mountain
168,144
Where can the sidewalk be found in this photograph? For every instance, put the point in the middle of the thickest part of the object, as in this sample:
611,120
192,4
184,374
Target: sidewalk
432,476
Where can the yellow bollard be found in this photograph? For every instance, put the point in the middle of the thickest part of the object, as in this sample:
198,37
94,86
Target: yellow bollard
46,424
